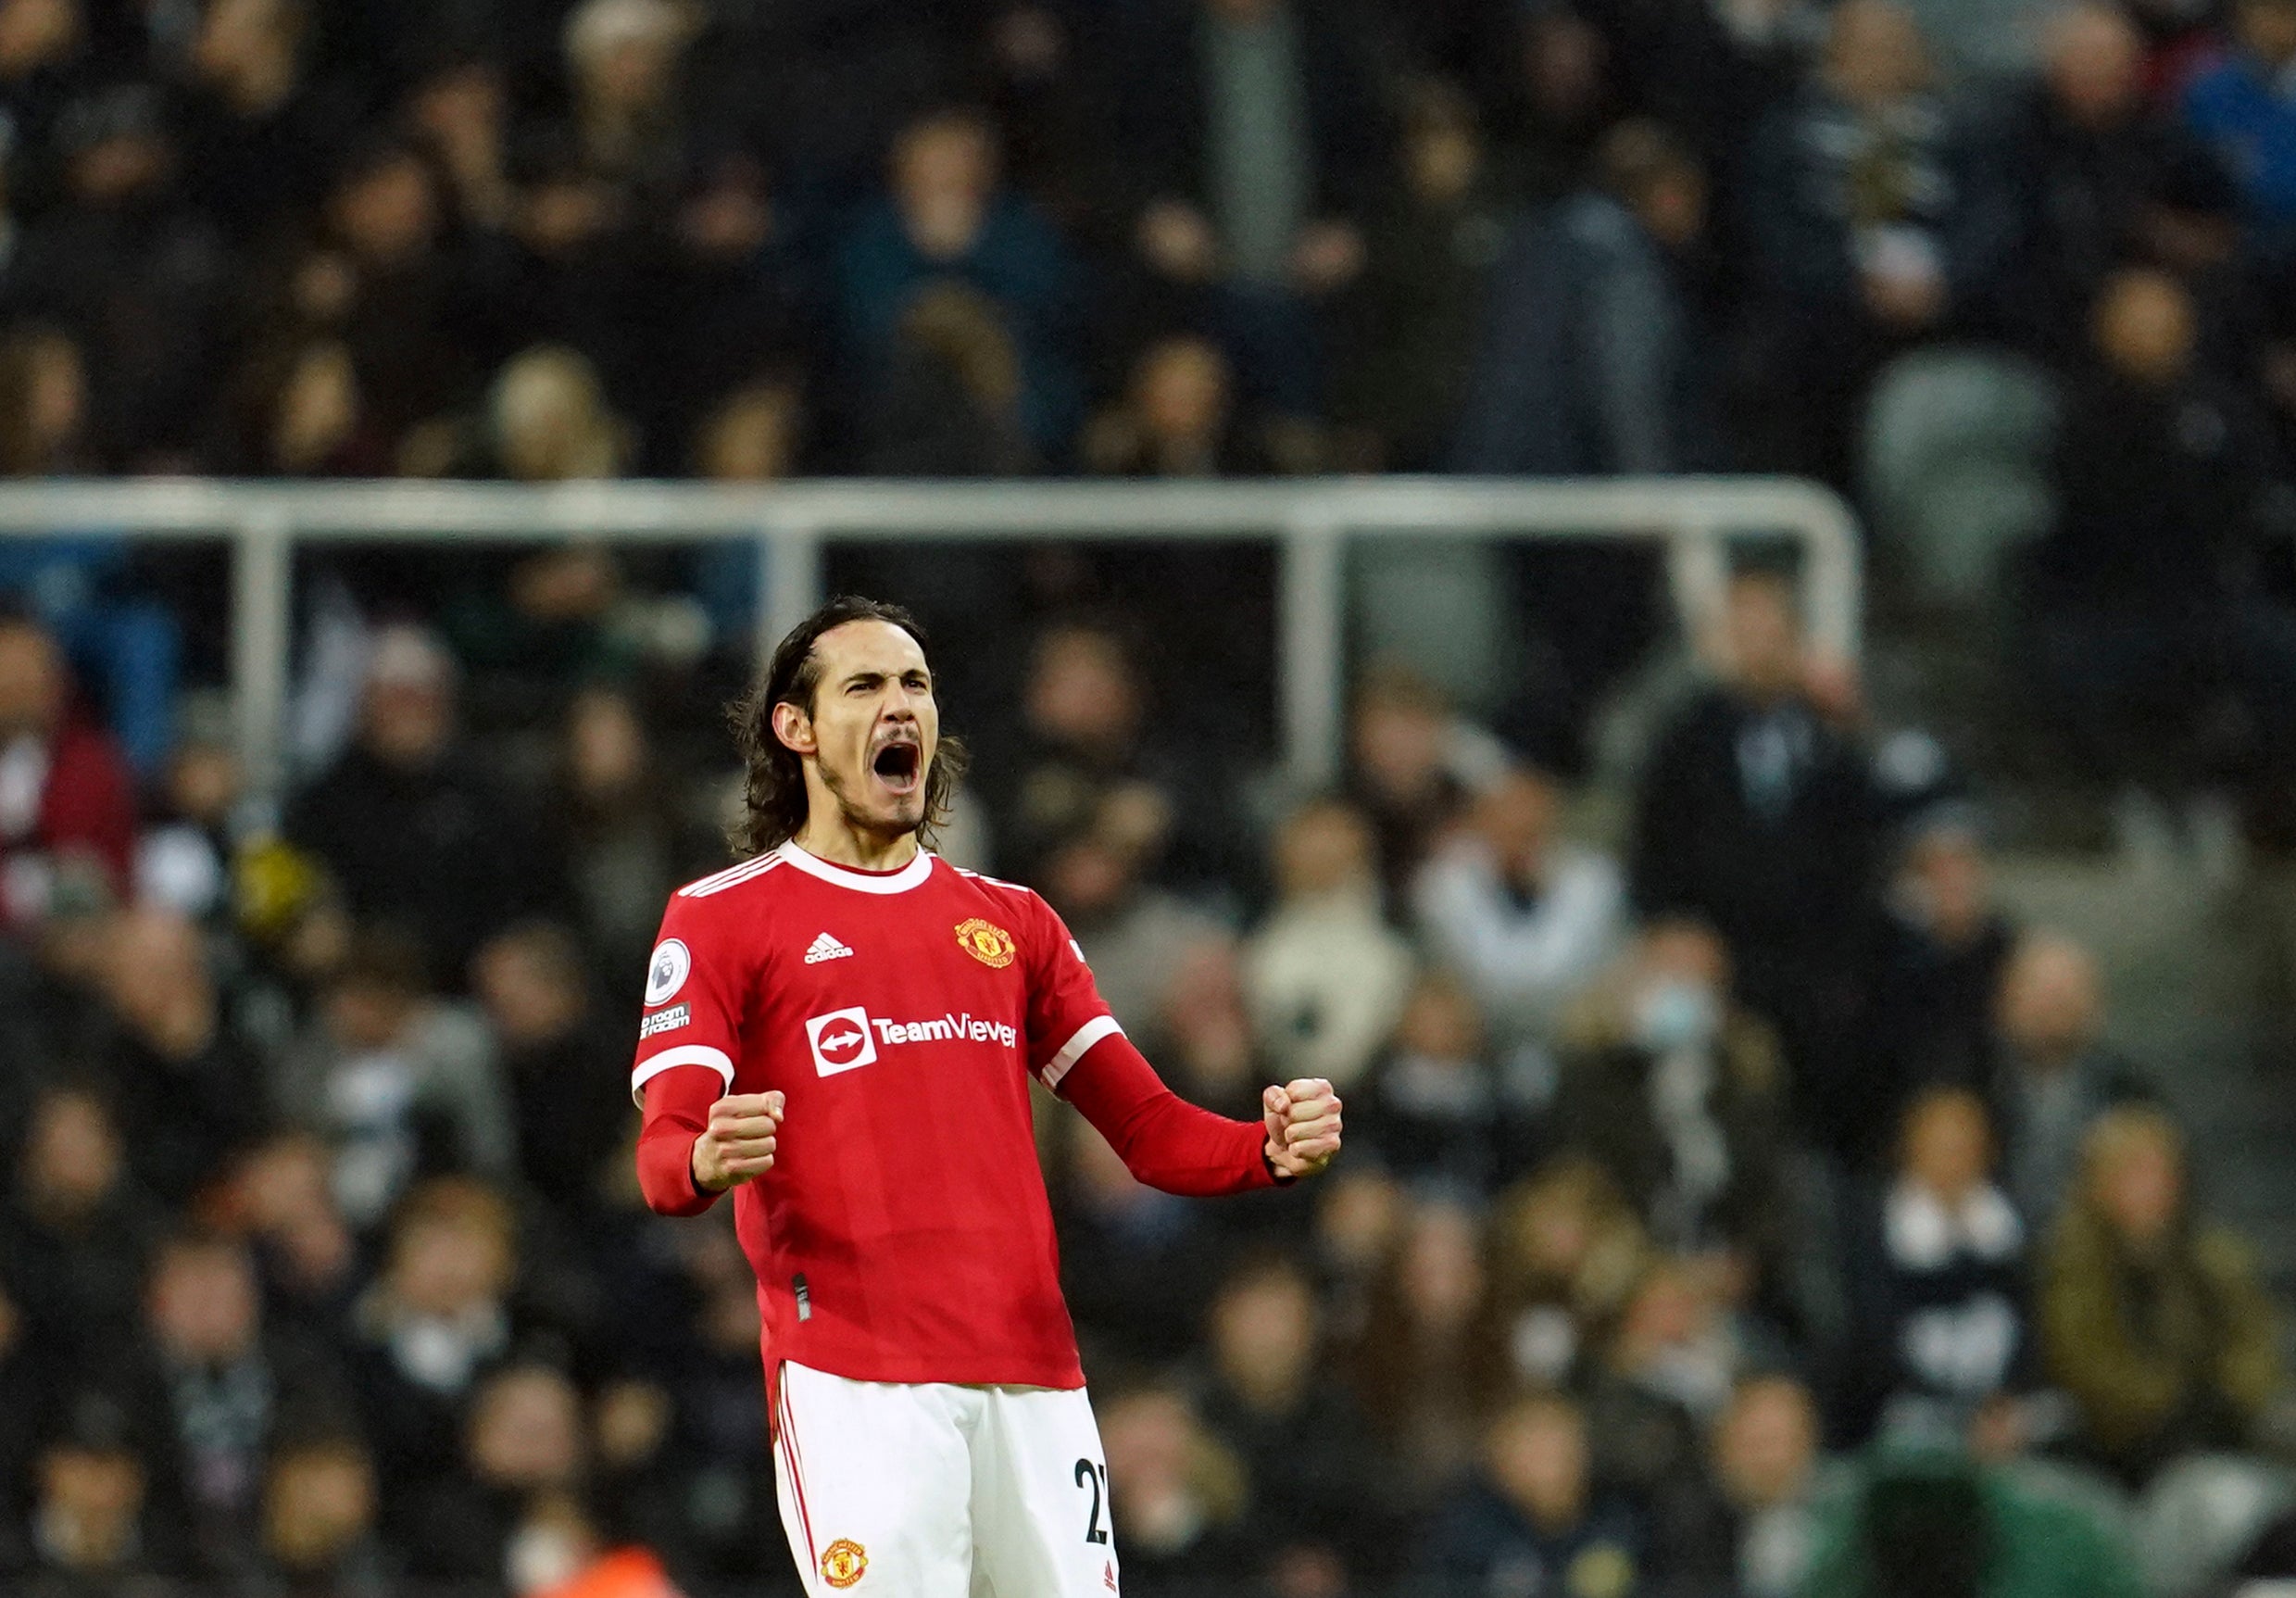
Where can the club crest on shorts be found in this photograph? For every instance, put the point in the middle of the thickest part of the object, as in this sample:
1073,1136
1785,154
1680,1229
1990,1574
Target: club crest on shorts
989,944
843,1561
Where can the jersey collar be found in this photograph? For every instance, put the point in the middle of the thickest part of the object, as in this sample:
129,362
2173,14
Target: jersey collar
901,881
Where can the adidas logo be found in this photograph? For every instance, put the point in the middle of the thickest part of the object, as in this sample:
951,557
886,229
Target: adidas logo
825,948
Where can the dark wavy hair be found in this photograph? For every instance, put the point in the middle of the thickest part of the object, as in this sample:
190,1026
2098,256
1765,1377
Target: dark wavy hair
773,796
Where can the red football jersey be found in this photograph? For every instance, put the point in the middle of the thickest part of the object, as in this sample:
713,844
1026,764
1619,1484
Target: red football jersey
903,1233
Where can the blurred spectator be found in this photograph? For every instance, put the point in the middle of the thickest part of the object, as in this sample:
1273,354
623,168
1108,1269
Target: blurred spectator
1305,1444
1663,1381
426,1333
1179,1496
77,584
1440,1113
1412,329
951,397
1878,220
309,1260
1590,358
948,221
1766,1469
548,420
1679,1092
1524,918
1180,418
91,1533
136,273
1756,817
199,817
2152,1319
1249,131
301,411
2241,105
2108,180
408,831
2051,1074
263,132
561,1059
1412,764
46,430
320,1539
459,113
171,1043
400,1082
1137,1265
1324,975
65,793
1090,762
1944,944
1532,1520
1566,1250
622,57
388,277
1918,1521
525,1440
2143,623
626,839
1938,1280
224,1391
1201,1032
77,1227
1423,1367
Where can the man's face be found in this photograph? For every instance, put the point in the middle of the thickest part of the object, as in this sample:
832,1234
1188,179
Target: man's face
204,1307
31,683
2268,27
873,728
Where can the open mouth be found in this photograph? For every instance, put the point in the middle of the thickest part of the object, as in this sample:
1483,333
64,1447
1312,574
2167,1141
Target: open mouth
898,766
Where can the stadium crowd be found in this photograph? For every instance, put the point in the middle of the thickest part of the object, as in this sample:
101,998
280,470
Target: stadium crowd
1740,1206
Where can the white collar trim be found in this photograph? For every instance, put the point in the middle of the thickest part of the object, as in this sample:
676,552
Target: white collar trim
901,881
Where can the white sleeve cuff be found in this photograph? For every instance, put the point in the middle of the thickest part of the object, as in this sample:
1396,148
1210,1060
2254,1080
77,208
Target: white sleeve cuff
1091,1032
685,1055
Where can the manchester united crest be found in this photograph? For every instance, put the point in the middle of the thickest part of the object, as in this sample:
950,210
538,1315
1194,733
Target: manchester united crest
843,1561
989,944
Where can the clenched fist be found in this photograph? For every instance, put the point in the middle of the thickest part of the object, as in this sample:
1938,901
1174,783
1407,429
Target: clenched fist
738,1143
1303,1126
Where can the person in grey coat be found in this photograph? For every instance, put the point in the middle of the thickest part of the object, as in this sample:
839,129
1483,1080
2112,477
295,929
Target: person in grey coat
1586,364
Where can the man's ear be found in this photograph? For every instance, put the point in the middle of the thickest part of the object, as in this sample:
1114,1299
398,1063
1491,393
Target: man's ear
794,728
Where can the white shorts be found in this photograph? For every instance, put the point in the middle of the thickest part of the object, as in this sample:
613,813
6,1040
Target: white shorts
933,1490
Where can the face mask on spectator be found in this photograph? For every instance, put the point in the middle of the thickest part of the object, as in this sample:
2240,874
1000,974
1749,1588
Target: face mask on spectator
1676,1013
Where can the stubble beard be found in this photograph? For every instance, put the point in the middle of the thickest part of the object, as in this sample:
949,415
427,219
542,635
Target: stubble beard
900,824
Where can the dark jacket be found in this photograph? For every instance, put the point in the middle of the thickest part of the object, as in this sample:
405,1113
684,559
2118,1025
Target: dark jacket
1588,363
1480,1539
1762,821
1161,109
1821,175
1938,1306
2164,1355
438,852
2157,494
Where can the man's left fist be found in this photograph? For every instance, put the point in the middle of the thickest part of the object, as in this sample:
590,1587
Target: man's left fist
1303,1126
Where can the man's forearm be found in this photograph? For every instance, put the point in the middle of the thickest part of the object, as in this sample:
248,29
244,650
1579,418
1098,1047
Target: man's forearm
1164,1140
677,1111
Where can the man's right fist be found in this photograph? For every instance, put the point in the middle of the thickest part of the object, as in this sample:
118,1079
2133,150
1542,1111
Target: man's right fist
738,1143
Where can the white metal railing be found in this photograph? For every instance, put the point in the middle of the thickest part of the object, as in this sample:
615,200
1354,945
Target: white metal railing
1309,519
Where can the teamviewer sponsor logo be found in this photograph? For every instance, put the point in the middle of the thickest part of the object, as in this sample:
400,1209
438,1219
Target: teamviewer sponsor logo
844,1038
841,1040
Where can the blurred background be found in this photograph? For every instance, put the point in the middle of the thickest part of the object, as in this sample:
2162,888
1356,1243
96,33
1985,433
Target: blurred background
1812,969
